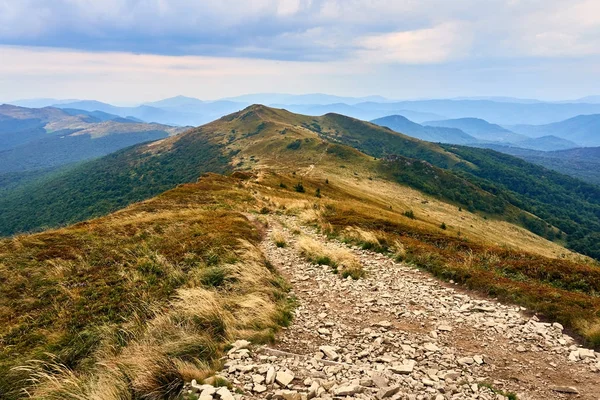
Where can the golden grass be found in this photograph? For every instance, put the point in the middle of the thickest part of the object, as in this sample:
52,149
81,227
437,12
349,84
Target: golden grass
279,239
341,260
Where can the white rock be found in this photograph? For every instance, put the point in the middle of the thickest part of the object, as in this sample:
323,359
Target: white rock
284,378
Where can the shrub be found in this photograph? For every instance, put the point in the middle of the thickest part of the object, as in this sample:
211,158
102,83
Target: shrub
299,188
443,226
410,214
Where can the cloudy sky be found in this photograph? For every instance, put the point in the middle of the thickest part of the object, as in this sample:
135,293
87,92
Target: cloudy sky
126,51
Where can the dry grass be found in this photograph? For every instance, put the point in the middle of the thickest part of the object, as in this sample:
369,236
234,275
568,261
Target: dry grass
341,260
279,239
133,304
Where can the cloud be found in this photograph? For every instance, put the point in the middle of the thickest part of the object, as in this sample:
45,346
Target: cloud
441,43
409,31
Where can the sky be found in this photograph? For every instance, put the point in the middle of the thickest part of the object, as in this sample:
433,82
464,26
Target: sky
128,51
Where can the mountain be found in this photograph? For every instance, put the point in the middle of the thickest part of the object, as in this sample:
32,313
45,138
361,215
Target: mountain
39,139
181,111
582,129
547,143
483,133
588,99
177,101
480,129
138,303
506,184
302,99
502,99
401,124
100,116
356,111
40,103
582,163
501,113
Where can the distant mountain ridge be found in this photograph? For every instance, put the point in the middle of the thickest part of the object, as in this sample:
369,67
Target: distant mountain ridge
182,110
480,129
49,137
481,133
402,124
582,129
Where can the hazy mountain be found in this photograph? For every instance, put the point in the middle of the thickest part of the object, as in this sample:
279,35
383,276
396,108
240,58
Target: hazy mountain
302,99
177,101
40,103
582,163
48,137
180,111
547,143
495,112
588,99
403,125
480,129
356,111
100,116
583,130
501,99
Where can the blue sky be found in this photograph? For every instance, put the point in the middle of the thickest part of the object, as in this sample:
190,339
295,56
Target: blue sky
138,50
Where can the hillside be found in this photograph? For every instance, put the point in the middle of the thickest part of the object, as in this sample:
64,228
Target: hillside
262,137
583,130
582,163
36,139
402,124
547,143
146,300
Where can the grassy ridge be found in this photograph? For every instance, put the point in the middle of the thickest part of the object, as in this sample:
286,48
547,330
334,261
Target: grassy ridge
156,289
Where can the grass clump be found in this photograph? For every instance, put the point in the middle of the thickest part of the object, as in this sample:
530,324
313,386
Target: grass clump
342,261
279,239
365,239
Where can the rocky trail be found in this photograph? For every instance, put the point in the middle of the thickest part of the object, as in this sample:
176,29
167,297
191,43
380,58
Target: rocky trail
400,334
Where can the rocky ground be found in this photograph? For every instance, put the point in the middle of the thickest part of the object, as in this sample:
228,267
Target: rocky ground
400,334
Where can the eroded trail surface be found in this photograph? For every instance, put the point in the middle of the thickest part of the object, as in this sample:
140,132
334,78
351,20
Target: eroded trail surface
400,334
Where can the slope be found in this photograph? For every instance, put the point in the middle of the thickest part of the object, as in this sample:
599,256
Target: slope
582,163
399,123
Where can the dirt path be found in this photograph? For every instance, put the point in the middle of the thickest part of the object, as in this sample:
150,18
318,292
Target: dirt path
400,334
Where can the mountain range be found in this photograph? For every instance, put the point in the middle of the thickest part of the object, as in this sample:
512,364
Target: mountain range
582,129
190,111
49,137
145,170
473,132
